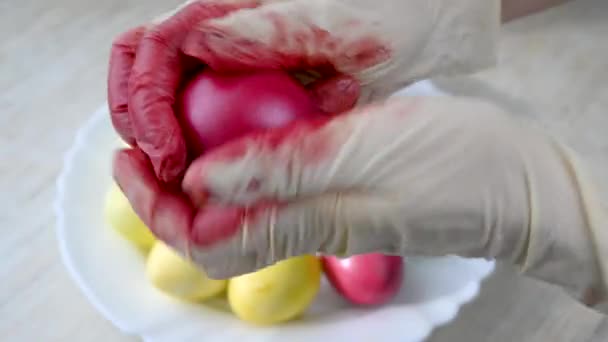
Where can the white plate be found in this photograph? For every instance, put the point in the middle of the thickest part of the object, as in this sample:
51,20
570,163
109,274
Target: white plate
111,273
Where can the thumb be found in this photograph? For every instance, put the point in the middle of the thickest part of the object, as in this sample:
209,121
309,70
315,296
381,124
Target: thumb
277,165
261,235
292,35
364,150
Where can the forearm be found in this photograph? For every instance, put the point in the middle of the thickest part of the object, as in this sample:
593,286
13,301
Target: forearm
513,9
567,238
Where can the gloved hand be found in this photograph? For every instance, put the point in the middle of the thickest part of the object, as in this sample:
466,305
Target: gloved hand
349,47
413,176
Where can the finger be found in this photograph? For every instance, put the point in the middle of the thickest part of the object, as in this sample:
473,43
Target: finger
157,73
122,56
167,214
216,243
230,241
349,152
279,164
336,94
332,93
290,35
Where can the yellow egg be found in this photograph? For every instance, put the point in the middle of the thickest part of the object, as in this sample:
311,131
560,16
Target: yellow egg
277,293
178,277
122,218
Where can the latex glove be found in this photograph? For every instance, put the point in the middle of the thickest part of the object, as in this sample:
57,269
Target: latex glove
377,45
415,176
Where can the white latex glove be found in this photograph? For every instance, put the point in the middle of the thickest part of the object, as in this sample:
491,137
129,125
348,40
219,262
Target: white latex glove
348,47
414,176
383,44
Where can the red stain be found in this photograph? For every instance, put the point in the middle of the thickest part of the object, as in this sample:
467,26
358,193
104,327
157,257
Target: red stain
296,135
193,183
313,47
335,95
217,223
165,211
281,27
122,56
192,14
309,141
230,151
157,71
213,224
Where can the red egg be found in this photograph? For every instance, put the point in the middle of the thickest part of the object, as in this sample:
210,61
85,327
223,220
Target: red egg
215,108
366,279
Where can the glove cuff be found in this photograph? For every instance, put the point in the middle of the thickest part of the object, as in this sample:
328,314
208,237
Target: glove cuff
568,232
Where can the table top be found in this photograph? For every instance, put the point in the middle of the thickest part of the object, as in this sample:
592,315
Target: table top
53,56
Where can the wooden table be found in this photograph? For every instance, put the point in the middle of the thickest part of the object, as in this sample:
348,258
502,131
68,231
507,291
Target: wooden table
53,55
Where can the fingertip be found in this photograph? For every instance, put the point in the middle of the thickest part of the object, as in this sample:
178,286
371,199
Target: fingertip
132,173
124,130
194,45
122,125
215,223
193,185
167,214
159,135
335,95
171,163
172,220
129,163
205,41
152,86
196,182
216,47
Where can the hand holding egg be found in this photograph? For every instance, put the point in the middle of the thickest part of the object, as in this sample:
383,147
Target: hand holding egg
214,109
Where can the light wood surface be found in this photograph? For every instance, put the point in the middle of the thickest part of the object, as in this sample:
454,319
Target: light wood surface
53,55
